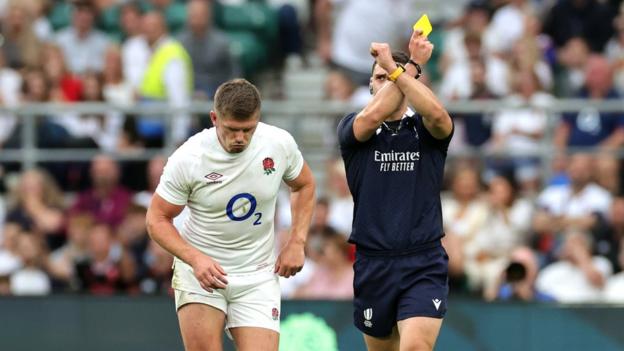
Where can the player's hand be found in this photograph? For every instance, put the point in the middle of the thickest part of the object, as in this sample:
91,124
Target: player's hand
290,260
420,48
382,53
209,273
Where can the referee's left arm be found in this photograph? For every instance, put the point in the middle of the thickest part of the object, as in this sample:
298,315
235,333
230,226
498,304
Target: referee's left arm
435,117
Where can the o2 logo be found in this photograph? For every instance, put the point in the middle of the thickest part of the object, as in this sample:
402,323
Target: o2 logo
229,209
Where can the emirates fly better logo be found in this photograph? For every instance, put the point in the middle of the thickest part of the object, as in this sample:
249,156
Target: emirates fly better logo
268,165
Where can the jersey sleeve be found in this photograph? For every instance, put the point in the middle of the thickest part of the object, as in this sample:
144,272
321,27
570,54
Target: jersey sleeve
174,186
441,144
346,137
294,159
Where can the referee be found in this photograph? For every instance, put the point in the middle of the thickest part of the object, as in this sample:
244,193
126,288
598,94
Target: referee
394,159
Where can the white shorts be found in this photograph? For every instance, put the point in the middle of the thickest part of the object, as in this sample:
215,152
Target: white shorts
249,300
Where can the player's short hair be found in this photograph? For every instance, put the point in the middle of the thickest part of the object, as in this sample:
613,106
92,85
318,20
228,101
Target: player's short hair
238,99
397,56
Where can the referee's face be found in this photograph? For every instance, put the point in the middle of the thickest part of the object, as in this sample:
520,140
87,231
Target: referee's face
378,79
234,134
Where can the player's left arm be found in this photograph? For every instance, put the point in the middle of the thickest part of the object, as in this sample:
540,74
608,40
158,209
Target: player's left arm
302,199
435,117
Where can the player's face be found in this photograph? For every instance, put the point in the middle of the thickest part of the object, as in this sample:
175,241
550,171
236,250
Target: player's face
235,135
378,79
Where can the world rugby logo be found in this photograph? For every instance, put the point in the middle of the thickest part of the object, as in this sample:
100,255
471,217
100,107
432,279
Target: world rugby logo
368,315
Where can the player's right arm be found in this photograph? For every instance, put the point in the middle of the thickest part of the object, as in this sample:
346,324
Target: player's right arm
159,220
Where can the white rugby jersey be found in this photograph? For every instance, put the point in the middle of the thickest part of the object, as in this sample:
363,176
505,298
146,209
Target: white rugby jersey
231,197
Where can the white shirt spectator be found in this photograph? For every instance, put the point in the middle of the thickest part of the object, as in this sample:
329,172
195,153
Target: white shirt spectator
10,87
614,290
615,53
121,94
341,215
358,23
457,83
42,29
135,54
30,281
83,54
470,221
559,200
508,26
502,233
514,122
105,135
567,283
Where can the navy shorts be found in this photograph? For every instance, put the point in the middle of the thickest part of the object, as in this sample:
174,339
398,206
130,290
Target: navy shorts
390,289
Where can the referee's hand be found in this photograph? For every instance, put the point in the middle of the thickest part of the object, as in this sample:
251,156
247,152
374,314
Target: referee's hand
290,260
209,273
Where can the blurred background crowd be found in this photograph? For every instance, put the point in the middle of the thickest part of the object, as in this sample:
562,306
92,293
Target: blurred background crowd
518,226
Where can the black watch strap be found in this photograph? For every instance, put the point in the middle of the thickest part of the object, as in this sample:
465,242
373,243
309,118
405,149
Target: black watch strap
417,68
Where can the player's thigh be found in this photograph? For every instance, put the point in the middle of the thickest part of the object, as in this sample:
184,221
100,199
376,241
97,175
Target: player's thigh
255,339
390,343
201,324
419,333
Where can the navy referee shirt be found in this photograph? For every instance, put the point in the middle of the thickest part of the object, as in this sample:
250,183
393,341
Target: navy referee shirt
395,179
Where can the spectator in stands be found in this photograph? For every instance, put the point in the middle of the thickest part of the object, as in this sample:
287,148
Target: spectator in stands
607,173
589,19
135,50
517,281
474,23
346,42
20,44
577,276
519,128
590,127
208,48
83,46
340,200
109,269
464,214
30,279
505,228
577,205
65,85
457,83
10,88
609,234
614,289
156,277
168,77
117,90
37,206
10,260
174,12
509,24
91,130
570,69
61,262
339,87
155,168
132,233
106,201
614,51
474,129
332,277
37,12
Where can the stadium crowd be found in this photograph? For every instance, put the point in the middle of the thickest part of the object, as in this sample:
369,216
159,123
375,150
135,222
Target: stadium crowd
511,233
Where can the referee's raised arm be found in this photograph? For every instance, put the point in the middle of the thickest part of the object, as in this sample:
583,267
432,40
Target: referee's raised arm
435,117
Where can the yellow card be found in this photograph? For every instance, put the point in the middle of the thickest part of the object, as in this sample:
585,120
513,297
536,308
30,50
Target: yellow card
423,25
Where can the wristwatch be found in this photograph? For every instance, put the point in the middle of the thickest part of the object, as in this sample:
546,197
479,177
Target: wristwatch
417,68
396,73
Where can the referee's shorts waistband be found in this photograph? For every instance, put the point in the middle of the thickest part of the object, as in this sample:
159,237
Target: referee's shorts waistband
401,252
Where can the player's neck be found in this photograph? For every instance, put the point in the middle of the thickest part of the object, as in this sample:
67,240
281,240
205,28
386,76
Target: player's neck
397,114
